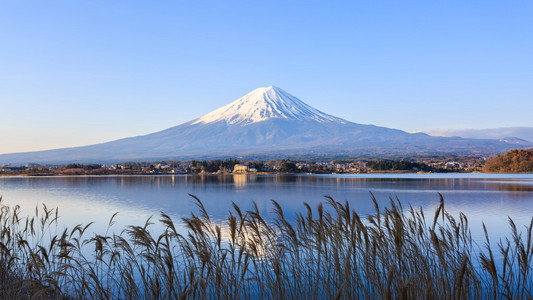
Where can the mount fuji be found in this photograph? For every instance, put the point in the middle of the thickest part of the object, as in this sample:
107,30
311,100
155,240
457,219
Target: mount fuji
266,123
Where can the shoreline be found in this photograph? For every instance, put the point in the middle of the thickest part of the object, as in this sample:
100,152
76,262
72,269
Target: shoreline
248,173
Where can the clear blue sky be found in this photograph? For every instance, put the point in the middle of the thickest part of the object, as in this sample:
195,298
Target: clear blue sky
81,72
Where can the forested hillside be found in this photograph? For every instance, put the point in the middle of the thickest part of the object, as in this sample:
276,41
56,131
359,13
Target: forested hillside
514,161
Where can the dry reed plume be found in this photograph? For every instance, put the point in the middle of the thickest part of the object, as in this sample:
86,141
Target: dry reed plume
327,253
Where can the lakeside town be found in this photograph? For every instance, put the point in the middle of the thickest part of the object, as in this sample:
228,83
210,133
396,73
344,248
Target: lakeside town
457,164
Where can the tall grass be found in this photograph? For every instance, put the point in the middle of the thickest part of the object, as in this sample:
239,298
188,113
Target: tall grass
330,252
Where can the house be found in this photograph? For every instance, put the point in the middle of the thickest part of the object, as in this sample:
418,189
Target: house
240,168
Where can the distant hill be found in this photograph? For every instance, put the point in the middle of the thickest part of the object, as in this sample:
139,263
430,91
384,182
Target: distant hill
267,123
515,161
517,135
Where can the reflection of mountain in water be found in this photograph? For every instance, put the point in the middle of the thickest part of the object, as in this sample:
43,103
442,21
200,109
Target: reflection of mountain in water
218,191
278,181
138,197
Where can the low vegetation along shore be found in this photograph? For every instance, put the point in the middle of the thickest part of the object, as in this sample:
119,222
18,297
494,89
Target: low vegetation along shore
327,252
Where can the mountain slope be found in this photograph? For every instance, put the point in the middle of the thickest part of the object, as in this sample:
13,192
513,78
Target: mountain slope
267,122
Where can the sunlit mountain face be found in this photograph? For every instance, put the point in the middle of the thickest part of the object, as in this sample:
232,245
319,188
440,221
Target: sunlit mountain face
264,104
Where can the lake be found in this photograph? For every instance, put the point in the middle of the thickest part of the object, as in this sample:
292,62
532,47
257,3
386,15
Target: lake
488,198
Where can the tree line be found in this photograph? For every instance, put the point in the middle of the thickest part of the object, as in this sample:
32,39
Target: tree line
392,165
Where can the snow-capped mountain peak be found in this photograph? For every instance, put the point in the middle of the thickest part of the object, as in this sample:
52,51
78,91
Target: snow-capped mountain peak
266,103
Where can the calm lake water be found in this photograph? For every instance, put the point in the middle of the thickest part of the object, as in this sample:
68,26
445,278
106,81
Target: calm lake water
482,197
